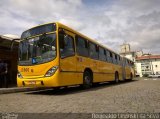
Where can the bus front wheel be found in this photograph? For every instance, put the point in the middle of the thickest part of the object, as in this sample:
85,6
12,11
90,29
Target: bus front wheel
87,80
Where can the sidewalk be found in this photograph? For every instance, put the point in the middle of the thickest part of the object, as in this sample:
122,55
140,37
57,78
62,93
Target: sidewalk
17,89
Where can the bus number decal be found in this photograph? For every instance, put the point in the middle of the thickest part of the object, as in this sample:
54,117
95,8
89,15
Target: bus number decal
25,70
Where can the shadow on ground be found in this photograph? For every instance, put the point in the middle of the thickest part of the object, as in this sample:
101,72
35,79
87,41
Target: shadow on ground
76,89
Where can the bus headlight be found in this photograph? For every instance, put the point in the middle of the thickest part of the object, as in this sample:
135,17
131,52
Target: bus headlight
51,71
19,75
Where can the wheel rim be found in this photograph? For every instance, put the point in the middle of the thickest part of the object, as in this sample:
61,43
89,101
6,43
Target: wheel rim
87,80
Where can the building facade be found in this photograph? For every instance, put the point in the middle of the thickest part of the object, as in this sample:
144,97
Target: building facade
126,52
149,64
144,64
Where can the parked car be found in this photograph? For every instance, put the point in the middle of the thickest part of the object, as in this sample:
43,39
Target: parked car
137,74
154,76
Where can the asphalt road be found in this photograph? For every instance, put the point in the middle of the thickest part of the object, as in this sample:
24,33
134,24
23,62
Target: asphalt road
137,96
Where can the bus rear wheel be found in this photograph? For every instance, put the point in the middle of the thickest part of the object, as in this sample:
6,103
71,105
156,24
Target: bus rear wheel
87,80
116,80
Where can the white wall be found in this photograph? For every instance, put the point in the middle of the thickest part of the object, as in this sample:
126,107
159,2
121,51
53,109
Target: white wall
138,68
153,63
129,56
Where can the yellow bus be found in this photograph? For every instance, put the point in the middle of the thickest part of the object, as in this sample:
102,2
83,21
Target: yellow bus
54,55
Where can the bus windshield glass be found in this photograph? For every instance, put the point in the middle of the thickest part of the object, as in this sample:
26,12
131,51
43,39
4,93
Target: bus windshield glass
39,30
37,50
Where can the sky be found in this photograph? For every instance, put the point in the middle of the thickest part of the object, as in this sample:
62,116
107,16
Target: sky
109,22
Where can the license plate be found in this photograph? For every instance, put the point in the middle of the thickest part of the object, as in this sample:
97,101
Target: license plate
32,82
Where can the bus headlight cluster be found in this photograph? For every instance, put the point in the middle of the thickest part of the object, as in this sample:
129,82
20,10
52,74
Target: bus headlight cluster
51,71
19,75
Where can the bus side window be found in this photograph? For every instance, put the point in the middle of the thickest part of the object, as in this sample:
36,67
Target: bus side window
82,46
102,54
107,55
130,64
126,62
116,59
119,60
111,57
66,44
93,50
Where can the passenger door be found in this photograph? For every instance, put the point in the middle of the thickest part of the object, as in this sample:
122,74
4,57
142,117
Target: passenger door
123,69
67,58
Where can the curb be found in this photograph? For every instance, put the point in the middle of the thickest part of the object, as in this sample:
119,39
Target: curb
17,89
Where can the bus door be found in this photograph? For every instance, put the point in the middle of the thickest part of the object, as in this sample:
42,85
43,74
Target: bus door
128,69
67,58
123,69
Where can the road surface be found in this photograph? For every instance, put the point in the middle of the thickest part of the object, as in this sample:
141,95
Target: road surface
137,96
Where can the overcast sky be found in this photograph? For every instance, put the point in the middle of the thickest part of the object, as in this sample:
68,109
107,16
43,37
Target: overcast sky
110,22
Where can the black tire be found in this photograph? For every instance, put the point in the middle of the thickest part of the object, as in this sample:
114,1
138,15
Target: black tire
95,84
116,80
56,89
87,80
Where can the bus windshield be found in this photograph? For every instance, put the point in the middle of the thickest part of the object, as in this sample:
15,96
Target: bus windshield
37,50
39,30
